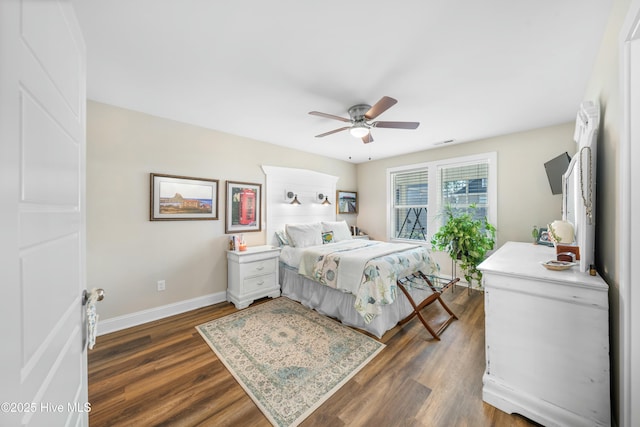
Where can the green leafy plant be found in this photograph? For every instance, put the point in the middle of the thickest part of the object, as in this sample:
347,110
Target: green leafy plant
466,239
535,233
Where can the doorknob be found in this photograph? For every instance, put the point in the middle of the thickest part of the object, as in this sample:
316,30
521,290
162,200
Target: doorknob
85,295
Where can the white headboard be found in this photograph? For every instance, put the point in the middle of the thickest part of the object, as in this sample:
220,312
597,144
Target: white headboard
307,185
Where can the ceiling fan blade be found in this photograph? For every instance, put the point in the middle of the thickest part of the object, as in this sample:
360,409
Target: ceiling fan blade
380,107
367,138
329,116
333,131
397,125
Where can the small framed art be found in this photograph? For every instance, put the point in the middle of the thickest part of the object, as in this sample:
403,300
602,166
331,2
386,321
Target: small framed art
347,202
544,237
176,197
244,201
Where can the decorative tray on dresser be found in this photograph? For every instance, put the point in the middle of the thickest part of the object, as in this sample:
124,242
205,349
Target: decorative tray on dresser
546,339
252,274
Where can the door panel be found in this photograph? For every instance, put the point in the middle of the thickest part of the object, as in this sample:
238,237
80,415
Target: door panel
50,158
53,38
43,159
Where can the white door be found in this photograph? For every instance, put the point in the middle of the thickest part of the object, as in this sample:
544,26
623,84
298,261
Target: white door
43,365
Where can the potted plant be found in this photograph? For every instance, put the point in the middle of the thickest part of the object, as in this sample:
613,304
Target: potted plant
466,239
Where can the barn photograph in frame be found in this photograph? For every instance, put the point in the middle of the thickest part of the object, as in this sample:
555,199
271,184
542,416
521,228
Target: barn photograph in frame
347,202
176,198
243,207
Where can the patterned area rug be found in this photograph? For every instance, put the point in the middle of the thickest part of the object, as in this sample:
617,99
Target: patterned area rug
288,358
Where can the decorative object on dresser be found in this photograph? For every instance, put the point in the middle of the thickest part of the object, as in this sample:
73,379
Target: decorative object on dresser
544,237
244,202
252,274
175,198
547,339
466,239
288,358
347,202
567,252
535,233
561,231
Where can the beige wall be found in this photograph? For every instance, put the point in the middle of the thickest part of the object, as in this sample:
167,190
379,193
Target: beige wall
524,195
126,253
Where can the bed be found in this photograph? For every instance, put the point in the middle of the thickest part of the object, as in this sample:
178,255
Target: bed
356,281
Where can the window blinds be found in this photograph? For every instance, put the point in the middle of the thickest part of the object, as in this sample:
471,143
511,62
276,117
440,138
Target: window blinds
411,188
465,185
411,198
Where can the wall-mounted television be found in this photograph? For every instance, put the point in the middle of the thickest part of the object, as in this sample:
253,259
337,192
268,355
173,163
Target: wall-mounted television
555,168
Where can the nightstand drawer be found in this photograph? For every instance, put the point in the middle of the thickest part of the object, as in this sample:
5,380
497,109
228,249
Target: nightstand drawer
256,283
255,268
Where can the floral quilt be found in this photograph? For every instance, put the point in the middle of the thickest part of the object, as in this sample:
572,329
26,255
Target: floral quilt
367,269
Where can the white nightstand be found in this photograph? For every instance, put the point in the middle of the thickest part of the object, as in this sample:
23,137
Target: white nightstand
252,274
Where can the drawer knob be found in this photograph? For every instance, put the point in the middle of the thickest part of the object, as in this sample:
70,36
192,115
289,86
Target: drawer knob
260,267
260,283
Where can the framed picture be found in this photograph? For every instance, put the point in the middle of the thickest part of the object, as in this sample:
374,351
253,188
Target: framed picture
347,202
244,201
544,238
183,198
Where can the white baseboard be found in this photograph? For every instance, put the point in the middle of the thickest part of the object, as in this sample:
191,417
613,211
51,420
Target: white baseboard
149,315
475,286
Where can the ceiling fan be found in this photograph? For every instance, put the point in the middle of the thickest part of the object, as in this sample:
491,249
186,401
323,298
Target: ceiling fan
361,117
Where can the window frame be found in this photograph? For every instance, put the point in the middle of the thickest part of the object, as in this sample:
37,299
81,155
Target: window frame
434,205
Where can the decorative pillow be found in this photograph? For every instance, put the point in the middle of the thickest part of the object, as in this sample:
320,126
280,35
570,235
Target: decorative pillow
327,237
303,235
340,230
282,237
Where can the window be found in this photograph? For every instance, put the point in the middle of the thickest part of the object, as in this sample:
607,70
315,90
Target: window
464,186
461,182
410,204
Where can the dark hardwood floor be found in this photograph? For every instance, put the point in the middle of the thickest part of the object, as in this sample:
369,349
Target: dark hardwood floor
163,373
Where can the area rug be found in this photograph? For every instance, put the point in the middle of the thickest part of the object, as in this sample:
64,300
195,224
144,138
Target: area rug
288,358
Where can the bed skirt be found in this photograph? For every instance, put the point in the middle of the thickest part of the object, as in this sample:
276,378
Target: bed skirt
337,304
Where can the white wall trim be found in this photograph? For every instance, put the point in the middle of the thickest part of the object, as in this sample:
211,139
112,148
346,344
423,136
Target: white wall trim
138,318
628,242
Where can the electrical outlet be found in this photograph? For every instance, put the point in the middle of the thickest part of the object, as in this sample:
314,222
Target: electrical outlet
161,285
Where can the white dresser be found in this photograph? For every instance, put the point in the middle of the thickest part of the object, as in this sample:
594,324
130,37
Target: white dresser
547,339
252,274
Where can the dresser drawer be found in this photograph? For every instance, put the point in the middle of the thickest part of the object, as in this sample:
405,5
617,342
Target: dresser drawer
256,268
256,283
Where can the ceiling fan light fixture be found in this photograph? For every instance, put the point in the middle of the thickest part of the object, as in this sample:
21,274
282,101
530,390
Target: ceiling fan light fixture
361,118
359,130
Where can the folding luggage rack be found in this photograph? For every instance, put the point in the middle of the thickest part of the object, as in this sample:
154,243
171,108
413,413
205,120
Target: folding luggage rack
420,281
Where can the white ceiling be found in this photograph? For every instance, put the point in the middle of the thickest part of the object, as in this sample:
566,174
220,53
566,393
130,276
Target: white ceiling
465,69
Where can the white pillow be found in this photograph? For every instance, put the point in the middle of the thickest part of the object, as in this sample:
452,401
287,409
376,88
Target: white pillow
340,230
303,235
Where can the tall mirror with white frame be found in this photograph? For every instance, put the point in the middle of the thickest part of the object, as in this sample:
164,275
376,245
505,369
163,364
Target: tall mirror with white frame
579,186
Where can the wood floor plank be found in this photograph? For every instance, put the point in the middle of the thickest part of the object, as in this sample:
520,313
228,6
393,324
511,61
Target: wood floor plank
163,373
